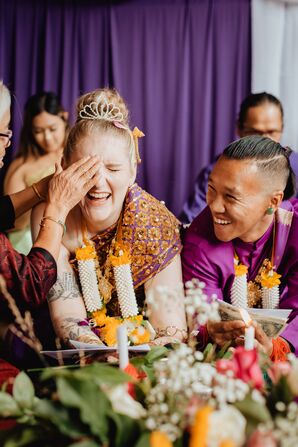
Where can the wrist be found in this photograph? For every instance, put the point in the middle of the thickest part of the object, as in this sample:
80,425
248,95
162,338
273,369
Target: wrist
57,212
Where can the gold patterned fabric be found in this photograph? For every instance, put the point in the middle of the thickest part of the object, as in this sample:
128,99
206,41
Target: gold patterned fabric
149,231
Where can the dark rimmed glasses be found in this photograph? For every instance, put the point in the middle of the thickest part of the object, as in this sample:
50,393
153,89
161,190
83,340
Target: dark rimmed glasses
6,136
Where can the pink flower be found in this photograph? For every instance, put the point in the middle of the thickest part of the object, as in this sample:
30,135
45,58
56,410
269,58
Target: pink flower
244,365
259,439
277,370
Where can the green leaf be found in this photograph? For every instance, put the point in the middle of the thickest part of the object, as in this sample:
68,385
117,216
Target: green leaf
156,353
125,432
253,411
8,406
92,403
102,374
61,417
23,391
24,437
144,441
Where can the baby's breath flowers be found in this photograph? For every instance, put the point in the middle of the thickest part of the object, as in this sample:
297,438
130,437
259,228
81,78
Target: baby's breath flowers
198,305
183,381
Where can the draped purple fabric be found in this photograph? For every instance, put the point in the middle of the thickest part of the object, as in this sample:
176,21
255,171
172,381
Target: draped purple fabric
182,65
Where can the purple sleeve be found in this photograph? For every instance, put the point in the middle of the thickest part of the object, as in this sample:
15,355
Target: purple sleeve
197,200
199,259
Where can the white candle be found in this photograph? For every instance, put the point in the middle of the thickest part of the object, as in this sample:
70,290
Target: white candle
122,346
249,338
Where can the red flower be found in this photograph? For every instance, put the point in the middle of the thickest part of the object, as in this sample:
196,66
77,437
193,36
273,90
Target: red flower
244,365
136,375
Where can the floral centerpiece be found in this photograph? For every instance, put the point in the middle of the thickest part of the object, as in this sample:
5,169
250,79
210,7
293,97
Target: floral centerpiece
178,397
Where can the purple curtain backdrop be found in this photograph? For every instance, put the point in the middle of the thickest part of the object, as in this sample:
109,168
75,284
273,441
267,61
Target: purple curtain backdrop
182,65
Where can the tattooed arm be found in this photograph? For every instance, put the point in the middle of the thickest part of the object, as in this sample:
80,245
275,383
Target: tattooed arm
67,306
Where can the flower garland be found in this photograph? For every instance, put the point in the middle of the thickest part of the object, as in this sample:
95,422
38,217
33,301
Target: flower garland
263,289
91,279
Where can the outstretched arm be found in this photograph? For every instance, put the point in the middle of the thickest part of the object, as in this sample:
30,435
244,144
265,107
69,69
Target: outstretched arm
167,316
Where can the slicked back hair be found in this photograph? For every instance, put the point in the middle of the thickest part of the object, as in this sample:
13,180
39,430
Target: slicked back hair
270,157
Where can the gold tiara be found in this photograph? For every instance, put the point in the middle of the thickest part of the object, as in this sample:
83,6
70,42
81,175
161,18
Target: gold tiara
101,110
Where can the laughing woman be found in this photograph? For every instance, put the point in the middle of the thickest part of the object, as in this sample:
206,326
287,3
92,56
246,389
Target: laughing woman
120,243
243,246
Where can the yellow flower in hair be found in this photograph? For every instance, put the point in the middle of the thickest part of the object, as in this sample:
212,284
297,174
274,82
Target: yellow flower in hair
159,439
85,253
270,279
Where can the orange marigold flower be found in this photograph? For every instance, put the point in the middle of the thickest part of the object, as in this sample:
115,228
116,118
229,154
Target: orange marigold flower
240,270
100,316
140,336
108,333
270,279
85,253
199,431
159,439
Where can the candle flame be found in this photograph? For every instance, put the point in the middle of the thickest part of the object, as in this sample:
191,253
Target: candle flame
245,317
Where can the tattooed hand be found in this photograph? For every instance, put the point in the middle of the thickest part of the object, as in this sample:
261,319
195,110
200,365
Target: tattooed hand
70,330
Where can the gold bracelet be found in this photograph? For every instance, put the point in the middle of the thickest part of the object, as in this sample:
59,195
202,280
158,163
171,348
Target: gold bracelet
35,189
59,222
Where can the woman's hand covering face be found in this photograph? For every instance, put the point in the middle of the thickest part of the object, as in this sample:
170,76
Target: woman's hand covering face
69,186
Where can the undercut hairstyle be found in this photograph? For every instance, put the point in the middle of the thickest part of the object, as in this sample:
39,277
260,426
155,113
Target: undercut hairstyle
254,100
270,157
36,104
4,99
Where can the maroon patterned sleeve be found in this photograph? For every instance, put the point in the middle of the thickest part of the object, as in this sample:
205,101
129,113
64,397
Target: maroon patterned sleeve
28,278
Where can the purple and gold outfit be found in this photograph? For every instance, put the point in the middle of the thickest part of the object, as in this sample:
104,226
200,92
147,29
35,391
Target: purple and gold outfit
151,234
212,261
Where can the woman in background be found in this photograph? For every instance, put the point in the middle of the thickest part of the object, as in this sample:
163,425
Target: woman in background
42,141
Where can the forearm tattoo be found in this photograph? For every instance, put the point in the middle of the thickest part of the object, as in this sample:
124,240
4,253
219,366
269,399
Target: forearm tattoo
70,330
65,288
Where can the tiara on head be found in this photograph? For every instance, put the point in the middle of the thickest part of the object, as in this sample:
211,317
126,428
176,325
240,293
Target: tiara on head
101,110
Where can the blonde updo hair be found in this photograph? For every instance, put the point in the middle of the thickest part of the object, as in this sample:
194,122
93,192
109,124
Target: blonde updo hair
102,98
5,99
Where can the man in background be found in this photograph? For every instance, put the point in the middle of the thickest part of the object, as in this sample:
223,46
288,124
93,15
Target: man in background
260,114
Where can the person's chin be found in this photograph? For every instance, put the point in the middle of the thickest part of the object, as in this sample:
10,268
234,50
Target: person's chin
223,233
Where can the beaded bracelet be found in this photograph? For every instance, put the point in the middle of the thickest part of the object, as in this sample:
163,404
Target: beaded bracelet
54,220
35,189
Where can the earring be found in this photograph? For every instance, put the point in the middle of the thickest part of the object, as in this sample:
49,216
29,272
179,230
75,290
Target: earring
270,210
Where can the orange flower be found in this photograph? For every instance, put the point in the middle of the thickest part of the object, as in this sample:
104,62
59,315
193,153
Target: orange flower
122,257
100,316
85,253
108,333
270,279
139,336
159,439
240,269
198,437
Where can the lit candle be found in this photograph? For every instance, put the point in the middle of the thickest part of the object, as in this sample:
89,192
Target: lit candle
122,346
249,335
